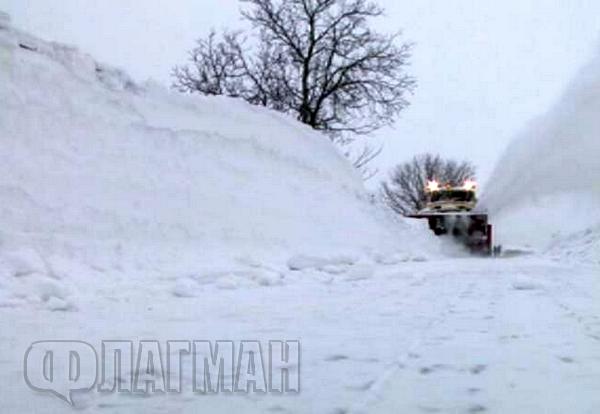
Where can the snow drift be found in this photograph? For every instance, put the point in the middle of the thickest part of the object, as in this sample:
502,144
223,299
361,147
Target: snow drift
547,184
104,171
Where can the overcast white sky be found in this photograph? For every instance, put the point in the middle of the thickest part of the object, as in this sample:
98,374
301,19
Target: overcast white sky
485,67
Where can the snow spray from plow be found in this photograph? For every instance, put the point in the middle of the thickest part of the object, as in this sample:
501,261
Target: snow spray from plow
545,189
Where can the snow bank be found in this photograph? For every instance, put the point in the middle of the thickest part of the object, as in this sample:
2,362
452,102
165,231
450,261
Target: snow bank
582,246
547,184
121,176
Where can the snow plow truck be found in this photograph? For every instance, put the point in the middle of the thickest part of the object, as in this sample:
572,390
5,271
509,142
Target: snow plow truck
451,211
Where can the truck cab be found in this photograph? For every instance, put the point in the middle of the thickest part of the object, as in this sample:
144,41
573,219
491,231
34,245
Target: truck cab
450,199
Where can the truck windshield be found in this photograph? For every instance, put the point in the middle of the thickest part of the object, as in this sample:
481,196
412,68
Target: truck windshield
453,195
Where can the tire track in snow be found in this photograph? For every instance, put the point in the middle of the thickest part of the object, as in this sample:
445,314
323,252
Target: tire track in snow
509,347
411,352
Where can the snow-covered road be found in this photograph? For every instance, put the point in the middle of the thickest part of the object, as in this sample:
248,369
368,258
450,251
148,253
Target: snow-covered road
455,335
513,337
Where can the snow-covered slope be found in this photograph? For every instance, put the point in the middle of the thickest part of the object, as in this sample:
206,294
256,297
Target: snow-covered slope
546,187
116,175
582,246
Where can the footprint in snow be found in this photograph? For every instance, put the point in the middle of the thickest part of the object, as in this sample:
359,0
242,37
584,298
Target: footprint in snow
361,387
425,409
477,369
525,285
336,357
433,368
594,337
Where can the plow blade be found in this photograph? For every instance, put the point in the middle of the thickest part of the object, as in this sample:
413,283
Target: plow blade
470,229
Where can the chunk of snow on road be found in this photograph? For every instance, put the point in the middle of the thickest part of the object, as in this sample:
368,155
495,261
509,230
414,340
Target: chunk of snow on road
268,278
61,267
302,262
186,288
48,288
391,259
526,285
57,304
305,262
251,262
334,269
23,262
229,282
242,275
360,272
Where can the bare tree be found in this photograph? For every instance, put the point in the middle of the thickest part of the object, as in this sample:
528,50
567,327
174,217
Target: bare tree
317,59
361,160
405,190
